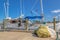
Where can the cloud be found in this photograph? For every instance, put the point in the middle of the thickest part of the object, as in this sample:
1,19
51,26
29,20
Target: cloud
56,11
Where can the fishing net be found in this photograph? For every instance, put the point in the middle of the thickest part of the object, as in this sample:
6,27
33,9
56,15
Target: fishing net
45,32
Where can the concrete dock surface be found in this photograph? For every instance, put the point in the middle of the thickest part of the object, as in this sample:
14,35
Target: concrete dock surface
20,36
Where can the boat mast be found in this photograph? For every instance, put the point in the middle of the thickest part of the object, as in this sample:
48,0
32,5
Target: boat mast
21,7
7,9
42,13
6,6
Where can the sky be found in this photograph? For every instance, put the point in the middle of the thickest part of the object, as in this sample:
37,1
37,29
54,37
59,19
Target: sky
51,8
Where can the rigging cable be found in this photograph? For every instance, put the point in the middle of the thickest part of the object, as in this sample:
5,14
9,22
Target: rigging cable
34,6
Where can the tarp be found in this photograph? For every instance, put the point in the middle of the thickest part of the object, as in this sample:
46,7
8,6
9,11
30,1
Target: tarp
34,17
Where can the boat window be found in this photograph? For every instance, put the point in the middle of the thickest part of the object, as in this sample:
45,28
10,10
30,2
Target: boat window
13,21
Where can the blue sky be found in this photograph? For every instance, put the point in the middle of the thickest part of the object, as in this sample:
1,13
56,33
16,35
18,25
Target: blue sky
51,8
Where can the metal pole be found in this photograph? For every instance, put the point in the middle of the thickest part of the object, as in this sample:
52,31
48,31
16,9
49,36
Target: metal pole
57,38
4,24
59,18
54,22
